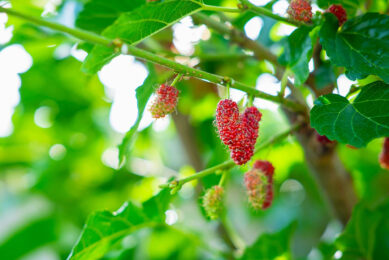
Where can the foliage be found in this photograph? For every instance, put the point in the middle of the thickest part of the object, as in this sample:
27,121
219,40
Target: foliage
65,167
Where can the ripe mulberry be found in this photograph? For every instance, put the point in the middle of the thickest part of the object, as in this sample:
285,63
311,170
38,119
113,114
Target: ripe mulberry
213,202
384,156
339,12
238,132
165,102
259,184
300,10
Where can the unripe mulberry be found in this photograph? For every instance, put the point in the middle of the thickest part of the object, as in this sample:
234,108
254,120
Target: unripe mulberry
165,102
339,12
300,10
384,156
238,132
259,184
213,202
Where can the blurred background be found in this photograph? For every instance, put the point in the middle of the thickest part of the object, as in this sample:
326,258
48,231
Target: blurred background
60,128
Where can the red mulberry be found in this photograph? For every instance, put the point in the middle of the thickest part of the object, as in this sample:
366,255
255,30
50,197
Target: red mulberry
300,10
238,132
165,102
339,12
259,184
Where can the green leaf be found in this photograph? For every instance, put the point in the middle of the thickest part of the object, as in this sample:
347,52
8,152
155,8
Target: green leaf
298,51
143,94
133,27
104,228
361,45
367,233
354,123
271,246
30,237
98,14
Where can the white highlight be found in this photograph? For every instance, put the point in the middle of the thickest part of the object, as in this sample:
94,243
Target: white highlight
110,158
171,217
253,27
270,85
344,85
280,7
13,60
42,117
121,77
186,35
57,152
260,2
338,254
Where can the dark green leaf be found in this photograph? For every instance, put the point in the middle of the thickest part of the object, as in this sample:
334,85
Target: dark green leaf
361,45
143,94
98,14
298,51
271,246
133,27
104,228
367,233
354,123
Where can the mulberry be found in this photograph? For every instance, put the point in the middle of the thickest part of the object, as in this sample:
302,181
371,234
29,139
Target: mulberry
339,12
259,184
213,202
165,102
384,156
300,10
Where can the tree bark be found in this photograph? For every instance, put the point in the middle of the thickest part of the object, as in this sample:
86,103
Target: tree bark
323,161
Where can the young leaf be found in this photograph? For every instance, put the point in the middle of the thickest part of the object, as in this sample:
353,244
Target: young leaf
271,246
354,123
133,27
143,94
98,14
367,233
298,52
361,45
103,228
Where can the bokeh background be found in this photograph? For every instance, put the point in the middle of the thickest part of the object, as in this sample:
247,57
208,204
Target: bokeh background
59,131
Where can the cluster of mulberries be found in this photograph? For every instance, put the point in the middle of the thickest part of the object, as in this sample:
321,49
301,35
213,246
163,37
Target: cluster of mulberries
238,132
165,102
259,184
213,202
384,156
300,10
339,12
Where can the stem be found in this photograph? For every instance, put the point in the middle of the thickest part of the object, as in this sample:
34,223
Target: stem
176,79
223,179
264,11
230,163
145,55
284,82
221,9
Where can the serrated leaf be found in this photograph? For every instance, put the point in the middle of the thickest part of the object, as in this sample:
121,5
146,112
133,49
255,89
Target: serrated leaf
361,45
143,94
298,51
271,246
134,26
366,235
98,14
103,228
354,123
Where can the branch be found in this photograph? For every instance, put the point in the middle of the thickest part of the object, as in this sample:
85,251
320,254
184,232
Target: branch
145,55
228,164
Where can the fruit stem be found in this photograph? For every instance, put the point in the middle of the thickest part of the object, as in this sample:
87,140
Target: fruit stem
176,79
223,179
230,163
266,12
